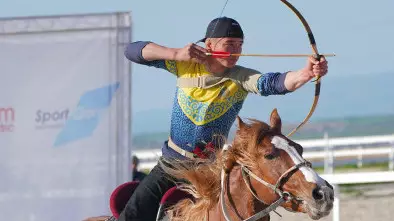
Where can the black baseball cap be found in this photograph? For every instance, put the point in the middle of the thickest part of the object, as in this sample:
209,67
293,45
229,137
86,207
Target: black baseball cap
223,27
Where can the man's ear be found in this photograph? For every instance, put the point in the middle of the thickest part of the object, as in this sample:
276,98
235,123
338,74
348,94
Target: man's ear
208,45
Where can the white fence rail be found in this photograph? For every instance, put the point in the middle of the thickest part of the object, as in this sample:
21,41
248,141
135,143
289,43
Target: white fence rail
359,177
347,141
352,147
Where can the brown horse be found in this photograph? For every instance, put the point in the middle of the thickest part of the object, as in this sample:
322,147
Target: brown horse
261,170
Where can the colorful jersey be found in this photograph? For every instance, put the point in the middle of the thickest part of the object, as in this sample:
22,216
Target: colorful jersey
200,115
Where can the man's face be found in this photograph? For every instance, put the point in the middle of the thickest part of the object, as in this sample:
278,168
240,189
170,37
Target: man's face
231,45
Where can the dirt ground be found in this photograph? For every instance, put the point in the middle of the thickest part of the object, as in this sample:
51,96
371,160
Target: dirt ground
362,203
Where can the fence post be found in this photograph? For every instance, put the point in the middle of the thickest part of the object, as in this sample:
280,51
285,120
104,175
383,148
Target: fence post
391,156
360,156
328,158
336,208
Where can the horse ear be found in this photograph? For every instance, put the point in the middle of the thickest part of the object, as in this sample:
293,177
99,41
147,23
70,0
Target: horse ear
276,122
240,123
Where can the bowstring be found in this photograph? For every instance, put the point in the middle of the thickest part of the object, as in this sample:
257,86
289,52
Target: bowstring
213,32
224,139
220,15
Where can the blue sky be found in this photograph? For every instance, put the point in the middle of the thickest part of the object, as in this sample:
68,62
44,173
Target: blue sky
359,32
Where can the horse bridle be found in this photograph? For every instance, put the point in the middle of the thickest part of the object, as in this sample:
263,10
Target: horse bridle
283,195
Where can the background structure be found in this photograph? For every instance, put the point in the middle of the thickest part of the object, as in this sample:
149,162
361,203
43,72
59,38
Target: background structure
65,112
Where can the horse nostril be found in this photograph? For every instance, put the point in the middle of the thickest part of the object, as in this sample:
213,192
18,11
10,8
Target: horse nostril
332,196
317,194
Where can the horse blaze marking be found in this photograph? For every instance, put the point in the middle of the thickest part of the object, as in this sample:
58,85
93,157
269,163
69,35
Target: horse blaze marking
309,173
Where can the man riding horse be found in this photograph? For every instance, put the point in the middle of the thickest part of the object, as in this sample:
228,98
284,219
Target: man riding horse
209,95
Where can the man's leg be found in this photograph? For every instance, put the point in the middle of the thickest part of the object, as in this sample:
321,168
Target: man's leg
144,203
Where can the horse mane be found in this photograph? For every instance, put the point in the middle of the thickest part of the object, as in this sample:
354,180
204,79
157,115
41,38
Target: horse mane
203,177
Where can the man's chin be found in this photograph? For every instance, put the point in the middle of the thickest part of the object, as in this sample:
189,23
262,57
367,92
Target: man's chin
230,64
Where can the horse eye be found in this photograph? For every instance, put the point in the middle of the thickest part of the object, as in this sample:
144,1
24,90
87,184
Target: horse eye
270,156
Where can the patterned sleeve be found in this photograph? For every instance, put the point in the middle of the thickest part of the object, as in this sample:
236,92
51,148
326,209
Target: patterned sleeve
272,83
253,81
133,52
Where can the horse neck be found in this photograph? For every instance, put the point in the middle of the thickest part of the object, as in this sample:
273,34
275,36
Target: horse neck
243,204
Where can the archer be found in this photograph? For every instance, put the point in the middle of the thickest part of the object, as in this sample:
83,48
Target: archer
209,95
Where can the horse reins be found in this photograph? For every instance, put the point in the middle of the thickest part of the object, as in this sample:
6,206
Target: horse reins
283,195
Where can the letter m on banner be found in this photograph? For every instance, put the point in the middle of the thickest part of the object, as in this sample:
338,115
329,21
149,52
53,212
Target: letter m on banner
7,114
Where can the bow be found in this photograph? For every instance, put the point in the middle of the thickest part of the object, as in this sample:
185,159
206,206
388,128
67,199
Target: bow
316,55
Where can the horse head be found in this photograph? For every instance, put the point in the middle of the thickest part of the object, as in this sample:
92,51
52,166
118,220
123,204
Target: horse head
275,171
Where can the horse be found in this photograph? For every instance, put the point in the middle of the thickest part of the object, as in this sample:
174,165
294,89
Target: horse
248,179
261,170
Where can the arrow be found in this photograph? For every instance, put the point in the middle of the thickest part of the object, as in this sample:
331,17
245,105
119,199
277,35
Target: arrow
220,54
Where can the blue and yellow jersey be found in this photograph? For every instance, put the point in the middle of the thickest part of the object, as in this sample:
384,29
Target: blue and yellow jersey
202,114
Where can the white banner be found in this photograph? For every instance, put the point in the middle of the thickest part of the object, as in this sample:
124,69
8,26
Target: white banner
64,99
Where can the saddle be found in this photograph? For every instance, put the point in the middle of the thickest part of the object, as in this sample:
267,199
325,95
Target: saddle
121,195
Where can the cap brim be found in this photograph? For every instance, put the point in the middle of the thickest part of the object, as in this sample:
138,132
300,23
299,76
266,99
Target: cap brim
201,40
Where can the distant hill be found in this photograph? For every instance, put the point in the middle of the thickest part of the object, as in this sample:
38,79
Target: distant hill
351,126
151,121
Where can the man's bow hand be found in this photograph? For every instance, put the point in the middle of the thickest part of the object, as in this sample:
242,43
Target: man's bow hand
315,68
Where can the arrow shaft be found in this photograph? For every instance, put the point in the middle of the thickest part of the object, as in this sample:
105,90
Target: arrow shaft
224,55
